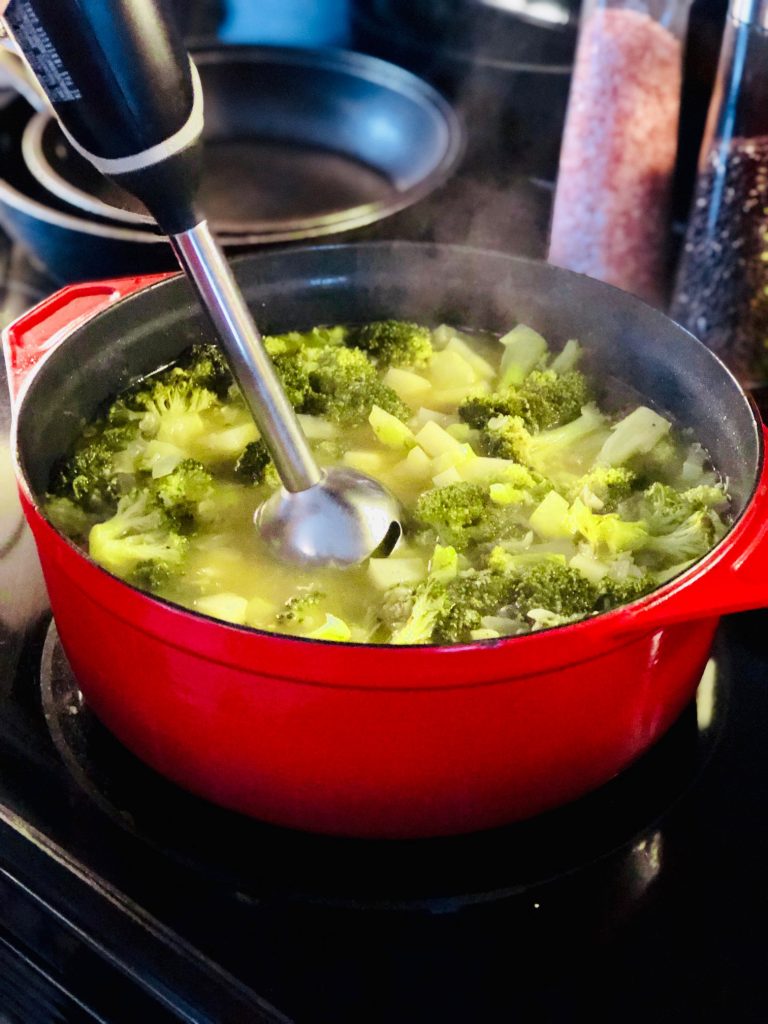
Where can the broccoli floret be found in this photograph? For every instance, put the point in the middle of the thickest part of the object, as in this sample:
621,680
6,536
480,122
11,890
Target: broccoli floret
605,486
430,601
394,343
297,609
607,532
462,513
252,464
545,399
554,586
170,407
692,539
346,386
88,476
295,341
294,375
661,508
396,606
139,543
452,511
615,592
180,492
470,596
205,366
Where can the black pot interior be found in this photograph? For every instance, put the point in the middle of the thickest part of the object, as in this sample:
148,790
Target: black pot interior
624,338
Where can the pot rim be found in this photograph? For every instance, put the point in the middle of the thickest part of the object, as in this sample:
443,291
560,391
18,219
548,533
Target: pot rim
661,595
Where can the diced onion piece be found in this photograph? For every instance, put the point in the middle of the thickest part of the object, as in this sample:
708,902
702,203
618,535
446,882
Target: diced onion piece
389,572
434,440
230,607
483,634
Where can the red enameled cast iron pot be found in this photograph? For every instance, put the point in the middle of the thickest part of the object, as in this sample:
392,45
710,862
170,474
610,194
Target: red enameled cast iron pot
362,739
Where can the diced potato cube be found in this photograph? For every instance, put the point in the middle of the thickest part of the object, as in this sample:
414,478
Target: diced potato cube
481,366
259,612
372,463
230,607
484,470
452,397
411,387
551,518
388,572
449,370
332,629
416,466
448,476
434,440
424,415
389,430
453,457
316,428
442,335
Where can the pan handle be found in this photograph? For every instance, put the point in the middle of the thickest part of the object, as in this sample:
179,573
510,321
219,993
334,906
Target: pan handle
733,579
41,329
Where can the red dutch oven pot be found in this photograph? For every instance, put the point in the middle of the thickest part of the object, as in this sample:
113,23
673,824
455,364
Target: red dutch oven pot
372,740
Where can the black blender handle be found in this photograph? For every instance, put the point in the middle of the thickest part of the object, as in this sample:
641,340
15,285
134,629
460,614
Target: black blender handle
125,91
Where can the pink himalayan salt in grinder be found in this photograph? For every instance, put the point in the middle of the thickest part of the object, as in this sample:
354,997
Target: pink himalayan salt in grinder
611,211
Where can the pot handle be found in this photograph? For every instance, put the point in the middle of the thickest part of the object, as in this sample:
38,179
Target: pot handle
733,579
41,329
